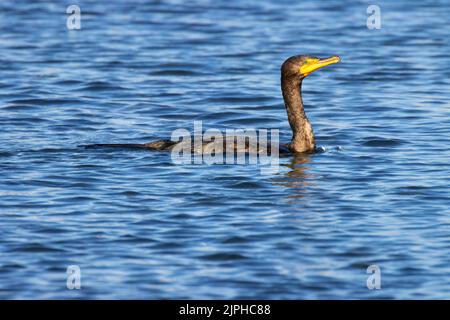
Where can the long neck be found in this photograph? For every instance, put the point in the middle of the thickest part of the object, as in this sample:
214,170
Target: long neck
302,132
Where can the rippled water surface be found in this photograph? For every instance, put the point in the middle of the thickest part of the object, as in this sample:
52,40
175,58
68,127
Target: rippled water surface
140,226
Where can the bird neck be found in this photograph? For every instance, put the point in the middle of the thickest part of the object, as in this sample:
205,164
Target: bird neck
302,132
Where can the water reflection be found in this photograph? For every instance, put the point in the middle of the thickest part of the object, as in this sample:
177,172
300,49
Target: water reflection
298,178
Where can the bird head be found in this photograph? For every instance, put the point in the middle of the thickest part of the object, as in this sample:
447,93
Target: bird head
303,65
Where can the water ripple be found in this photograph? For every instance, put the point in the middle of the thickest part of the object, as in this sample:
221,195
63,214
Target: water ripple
140,226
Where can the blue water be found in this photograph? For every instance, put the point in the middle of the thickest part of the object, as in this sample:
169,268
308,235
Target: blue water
140,226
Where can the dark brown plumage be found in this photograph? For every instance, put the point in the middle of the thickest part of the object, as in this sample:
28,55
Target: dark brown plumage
291,88
293,71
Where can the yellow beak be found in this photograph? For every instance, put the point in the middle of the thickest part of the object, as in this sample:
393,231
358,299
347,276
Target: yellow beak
314,64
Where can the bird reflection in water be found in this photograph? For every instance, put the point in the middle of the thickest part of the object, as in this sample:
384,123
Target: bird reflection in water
298,179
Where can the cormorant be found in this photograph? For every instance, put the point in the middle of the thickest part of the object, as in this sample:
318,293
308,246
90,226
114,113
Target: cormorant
293,71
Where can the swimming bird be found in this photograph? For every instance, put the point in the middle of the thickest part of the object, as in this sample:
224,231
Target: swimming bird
293,71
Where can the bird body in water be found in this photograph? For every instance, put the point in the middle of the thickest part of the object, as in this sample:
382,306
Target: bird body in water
293,71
